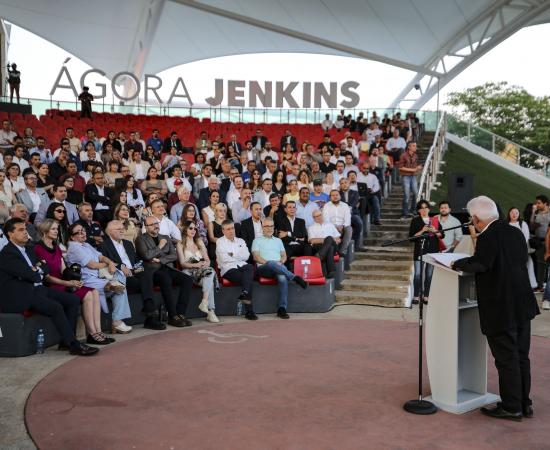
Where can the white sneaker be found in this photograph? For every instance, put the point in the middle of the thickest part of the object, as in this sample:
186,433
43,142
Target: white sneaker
211,317
204,306
546,304
121,328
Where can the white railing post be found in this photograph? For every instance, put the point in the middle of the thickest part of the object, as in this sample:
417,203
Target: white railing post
493,141
469,131
431,165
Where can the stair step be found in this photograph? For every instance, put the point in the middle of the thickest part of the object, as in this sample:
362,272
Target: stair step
383,256
395,266
397,300
375,286
393,249
390,234
377,274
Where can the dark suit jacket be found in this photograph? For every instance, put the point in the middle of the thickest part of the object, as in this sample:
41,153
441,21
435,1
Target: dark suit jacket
236,145
107,248
504,295
168,143
147,250
283,142
353,200
17,278
92,196
283,224
254,140
247,232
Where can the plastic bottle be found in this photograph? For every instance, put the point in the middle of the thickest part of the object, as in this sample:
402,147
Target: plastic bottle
306,270
40,341
239,308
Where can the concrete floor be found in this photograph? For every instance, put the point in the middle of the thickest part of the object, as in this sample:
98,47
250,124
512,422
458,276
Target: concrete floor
20,375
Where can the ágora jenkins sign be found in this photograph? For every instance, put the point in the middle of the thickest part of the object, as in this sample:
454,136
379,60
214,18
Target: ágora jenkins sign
236,93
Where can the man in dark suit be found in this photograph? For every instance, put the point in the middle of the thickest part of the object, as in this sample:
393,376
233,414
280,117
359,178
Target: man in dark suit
251,228
258,140
204,193
123,254
506,305
172,141
293,232
235,143
287,139
352,199
159,255
99,196
21,278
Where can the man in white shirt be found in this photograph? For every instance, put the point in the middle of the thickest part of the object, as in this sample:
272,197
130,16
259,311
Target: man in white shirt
73,141
18,153
339,172
351,147
452,237
268,151
167,227
324,239
327,123
7,135
373,131
271,167
339,214
262,197
234,193
348,164
172,183
46,155
139,168
373,188
232,256
241,208
305,207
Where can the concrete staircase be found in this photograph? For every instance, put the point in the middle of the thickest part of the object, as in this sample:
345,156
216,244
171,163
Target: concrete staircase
382,276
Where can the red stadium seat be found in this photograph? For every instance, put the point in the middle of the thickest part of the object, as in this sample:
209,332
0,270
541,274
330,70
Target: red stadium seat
314,269
267,281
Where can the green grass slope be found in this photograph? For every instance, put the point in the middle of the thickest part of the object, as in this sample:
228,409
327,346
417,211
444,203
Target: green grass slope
502,185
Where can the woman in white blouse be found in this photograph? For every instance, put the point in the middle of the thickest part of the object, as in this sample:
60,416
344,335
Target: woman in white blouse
515,221
208,212
6,194
14,180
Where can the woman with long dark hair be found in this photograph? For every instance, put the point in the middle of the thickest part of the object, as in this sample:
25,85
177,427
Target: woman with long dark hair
279,183
193,258
153,184
134,196
422,224
58,212
190,213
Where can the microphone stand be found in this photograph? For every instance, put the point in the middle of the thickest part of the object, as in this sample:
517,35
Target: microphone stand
419,405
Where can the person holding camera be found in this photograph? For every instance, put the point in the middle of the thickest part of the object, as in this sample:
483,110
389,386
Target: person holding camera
14,81
193,258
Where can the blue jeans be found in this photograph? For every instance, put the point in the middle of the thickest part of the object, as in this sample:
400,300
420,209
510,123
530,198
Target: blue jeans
357,227
410,190
272,269
428,272
546,294
374,207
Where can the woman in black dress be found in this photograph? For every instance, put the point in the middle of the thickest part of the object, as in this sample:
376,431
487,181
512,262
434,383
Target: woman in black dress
422,224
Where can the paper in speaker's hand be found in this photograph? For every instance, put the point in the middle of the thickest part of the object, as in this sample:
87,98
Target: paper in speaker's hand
446,259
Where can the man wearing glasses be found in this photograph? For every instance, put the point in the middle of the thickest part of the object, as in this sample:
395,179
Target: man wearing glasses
270,256
159,255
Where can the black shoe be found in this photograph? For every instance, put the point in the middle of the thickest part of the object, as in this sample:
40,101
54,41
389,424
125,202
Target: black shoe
250,315
153,323
82,350
498,412
415,301
528,411
300,281
244,296
176,321
281,312
97,339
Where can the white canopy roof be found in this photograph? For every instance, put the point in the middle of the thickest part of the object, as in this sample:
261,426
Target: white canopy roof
436,39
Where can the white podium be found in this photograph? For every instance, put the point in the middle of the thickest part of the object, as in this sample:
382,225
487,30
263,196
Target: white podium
456,351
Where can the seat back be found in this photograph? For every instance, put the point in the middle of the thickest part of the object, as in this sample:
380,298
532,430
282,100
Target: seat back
314,268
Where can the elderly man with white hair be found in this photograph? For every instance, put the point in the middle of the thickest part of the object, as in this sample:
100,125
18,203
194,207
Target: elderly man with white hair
506,304
184,196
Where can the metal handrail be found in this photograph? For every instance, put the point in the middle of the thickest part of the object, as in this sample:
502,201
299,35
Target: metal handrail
431,165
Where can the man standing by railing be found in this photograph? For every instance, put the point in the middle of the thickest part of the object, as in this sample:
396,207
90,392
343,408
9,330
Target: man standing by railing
408,168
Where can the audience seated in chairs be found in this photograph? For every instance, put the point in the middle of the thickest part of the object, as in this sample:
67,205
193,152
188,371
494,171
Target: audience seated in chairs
293,232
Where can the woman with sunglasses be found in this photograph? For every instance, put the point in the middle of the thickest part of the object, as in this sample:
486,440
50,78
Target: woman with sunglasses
48,250
190,213
255,182
56,211
92,261
193,258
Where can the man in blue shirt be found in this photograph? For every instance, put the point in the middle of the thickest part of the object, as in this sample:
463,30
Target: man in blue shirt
155,141
318,196
305,207
270,256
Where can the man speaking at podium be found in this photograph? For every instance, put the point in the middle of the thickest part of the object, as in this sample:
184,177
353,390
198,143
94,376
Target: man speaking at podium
506,304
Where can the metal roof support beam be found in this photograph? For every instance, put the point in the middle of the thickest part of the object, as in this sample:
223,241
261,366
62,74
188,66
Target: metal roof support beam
252,21
523,18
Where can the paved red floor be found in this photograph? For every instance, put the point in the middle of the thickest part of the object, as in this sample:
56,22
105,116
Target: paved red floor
297,384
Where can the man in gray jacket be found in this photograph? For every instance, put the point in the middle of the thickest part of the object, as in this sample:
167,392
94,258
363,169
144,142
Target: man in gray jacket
159,255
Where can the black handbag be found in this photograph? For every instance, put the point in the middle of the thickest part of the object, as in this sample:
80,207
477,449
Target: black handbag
72,272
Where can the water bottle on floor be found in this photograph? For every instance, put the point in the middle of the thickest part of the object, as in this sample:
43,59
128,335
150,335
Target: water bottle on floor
306,270
40,341
239,308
